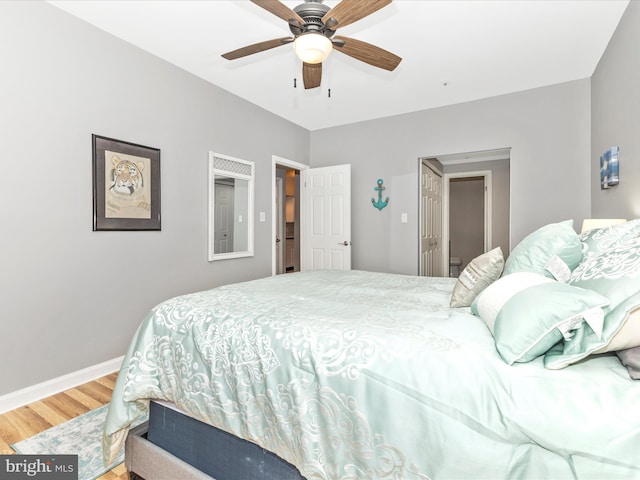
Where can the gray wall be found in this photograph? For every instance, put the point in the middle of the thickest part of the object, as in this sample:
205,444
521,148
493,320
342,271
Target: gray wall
71,297
615,103
548,130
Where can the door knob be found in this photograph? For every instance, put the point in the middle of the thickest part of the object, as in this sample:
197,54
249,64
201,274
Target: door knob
345,243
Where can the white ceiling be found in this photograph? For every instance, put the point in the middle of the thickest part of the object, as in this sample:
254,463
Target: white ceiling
453,51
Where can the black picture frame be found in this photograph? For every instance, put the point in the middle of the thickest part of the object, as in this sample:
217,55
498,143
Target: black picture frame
126,185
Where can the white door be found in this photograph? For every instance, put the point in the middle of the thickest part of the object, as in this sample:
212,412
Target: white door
326,223
223,237
431,223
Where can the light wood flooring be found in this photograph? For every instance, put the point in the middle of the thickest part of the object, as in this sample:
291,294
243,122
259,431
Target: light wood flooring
31,419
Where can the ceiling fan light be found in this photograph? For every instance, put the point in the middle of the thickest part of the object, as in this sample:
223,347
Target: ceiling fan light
312,47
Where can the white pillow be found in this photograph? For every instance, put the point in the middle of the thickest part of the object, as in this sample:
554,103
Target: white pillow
481,272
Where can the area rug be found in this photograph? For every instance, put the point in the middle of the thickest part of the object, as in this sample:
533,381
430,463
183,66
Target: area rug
80,436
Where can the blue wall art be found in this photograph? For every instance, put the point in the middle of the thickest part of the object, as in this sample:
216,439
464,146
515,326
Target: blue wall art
609,169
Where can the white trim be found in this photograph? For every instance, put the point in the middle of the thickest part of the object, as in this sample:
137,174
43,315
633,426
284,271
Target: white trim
488,213
31,394
275,160
472,157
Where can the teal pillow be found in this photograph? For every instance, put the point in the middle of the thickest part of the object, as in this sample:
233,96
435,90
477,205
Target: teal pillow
529,313
535,251
614,274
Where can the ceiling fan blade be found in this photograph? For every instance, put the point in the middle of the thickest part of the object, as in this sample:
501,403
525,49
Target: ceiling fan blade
279,9
365,52
311,75
256,47
349,11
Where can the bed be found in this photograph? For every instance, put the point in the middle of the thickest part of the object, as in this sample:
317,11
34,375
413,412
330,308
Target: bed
363,375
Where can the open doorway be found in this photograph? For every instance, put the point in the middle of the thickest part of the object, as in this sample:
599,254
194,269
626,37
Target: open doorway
321,227
286,215
288,220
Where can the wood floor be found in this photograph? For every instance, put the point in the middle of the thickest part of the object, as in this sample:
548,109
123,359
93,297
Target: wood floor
26,421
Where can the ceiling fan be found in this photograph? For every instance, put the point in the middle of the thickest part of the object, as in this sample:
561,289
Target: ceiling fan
313,26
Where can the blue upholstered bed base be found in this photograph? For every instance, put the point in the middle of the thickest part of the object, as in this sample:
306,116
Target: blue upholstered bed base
218,454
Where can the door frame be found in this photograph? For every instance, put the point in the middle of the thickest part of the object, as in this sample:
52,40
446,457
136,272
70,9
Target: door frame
488,214
275,161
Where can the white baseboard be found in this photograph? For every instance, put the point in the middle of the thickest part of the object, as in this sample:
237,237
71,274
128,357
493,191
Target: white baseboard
31,394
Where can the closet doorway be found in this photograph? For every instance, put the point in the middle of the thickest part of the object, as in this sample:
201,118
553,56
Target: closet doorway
475,207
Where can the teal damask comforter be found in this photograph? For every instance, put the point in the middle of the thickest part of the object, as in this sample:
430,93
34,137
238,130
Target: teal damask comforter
360,375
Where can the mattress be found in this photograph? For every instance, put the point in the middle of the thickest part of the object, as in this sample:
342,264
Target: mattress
144,460
217,453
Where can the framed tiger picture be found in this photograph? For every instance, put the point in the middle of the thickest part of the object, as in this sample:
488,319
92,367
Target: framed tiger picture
126,185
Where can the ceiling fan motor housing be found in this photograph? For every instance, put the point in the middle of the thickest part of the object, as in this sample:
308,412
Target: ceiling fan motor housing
312,13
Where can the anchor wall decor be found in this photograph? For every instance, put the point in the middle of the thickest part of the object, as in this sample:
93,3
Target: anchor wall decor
380,204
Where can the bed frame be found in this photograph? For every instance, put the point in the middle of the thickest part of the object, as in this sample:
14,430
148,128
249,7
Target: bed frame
172,445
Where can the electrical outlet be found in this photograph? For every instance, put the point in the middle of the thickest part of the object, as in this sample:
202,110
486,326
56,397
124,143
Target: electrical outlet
403,218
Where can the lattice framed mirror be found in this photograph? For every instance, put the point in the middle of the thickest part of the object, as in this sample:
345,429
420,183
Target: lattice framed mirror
231,207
